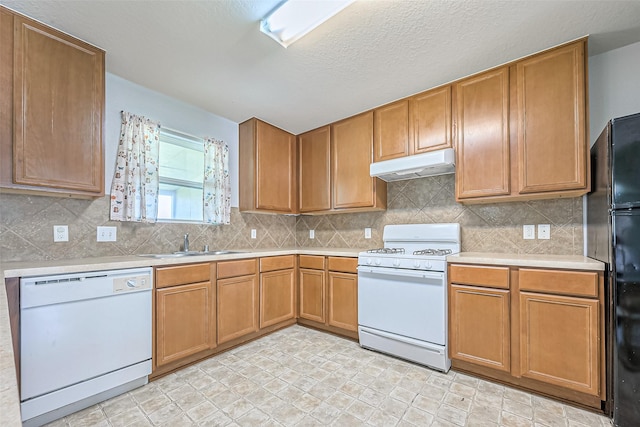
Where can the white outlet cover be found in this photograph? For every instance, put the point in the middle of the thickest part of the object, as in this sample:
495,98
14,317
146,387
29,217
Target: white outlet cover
367,233
60,233
312,234
106,234
544,231
528,232
254,233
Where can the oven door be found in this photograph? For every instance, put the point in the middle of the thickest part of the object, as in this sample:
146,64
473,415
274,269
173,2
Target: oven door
404,302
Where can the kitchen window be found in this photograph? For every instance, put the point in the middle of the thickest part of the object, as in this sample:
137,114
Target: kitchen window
181,177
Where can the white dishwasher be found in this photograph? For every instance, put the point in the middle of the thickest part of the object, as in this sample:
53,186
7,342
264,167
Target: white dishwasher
84,338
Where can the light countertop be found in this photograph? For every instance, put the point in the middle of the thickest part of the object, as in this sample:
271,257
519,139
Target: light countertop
568,262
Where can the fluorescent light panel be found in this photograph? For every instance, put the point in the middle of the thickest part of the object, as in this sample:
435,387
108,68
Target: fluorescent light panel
295,18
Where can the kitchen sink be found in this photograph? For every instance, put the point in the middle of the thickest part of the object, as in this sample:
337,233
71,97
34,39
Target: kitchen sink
189,253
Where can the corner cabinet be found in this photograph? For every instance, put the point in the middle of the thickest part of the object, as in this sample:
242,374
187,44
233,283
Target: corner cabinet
268,168
314,162
521,129
540,329
277,290
351,155
52,91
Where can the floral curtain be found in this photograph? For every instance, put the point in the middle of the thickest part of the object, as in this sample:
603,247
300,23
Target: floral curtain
134,190
217,188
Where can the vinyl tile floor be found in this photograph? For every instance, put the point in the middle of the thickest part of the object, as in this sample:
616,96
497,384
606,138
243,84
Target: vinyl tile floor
303,377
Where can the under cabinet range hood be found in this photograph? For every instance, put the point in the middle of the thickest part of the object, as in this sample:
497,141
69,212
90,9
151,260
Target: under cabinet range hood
432,163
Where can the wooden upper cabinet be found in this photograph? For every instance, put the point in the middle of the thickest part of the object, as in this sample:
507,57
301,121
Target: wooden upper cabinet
430,120
413,125
552,149
391,131
482,155
53,143
351,155
268,171
314,161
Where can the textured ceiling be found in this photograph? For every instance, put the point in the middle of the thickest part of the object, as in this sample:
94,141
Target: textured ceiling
212,55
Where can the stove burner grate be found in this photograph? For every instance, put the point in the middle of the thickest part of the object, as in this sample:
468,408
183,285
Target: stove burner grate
437,252
398,251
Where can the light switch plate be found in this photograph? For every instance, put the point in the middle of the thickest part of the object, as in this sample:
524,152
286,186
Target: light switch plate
254,233
106,234
312,234
544,231
367,233
60,233
528,232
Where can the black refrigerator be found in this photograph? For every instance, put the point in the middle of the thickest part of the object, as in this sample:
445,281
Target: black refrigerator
613,237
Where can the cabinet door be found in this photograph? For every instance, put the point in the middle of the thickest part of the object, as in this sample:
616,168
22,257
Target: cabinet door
237,307
552,149
277,297
343,300
559,341
275,169
479,326
430,120
391,131
352,153
315,170
185,321
482,154
58,107
312,295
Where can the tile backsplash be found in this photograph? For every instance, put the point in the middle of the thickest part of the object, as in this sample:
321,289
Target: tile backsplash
26,225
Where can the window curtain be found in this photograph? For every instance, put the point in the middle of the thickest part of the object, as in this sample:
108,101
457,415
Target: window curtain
134,190
217,188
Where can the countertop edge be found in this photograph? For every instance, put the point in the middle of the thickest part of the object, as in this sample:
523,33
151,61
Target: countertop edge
569,262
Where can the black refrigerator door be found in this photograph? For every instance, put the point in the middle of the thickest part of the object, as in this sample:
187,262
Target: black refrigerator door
625,137
626,301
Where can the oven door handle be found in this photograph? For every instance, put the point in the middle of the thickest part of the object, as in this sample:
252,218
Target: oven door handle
398,272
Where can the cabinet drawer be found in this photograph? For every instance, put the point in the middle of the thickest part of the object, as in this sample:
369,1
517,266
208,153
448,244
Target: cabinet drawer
182,274
277,263
241,267
493,277
581,283
312,261
348,265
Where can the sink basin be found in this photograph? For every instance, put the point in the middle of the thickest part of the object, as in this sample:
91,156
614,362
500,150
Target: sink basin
190,253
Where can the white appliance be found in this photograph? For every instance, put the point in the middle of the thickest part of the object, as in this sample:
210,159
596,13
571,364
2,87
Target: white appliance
402,293
84,338
432,163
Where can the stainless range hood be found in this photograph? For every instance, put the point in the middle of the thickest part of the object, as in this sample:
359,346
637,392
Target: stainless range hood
432,163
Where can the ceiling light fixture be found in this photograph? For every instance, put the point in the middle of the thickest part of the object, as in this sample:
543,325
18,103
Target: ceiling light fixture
295,18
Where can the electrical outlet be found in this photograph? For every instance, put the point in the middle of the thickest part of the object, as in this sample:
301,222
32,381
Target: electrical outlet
544,231
106,234
254,233
60,233
528,232
367,233
312,234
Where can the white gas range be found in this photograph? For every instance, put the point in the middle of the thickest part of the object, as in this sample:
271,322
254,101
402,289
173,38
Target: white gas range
402,293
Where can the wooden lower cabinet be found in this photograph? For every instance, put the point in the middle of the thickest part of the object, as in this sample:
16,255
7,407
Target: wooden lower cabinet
237,307
479,326
312,295
536,328
277,297
559,341
185,321
343,300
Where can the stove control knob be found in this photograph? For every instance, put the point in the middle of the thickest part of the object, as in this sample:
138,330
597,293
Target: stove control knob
416,264
369,261
378,261
396,263
428,265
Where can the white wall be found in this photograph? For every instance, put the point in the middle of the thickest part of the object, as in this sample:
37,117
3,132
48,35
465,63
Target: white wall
614,86
124,95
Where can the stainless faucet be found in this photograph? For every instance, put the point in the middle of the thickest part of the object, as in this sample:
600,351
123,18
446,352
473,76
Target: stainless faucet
186,242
